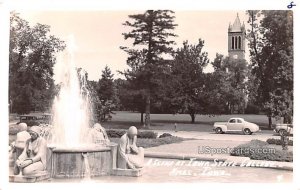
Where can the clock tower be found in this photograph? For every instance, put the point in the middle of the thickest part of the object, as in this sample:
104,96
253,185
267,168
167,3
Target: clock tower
236,39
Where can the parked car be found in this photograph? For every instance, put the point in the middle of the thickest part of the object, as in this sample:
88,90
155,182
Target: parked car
236,124
31,119
283,128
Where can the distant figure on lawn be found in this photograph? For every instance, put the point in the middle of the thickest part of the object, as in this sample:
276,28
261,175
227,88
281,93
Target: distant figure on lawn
129,155
98,135
33,158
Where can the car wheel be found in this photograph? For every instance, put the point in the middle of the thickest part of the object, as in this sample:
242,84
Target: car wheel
247,131
282,132
219,130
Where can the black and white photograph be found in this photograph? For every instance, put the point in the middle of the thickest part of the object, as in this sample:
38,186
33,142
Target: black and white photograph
149,96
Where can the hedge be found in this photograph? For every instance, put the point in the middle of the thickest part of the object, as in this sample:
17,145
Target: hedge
117,133
278,141
250,150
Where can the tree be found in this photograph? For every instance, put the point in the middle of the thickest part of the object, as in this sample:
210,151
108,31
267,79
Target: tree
106,94
271,51
130,97
186,87
150,32
230,80
31,59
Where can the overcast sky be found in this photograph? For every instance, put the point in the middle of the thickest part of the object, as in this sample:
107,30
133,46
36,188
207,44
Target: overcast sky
98,34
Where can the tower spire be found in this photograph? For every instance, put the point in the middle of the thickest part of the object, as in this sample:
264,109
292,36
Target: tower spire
236,27
236,39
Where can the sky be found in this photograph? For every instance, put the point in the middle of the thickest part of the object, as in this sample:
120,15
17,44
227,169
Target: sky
98,34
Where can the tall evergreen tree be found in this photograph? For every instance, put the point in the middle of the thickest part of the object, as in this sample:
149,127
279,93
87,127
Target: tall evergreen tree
106,94
150,31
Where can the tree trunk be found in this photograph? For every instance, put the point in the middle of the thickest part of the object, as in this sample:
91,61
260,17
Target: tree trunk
193,117
270,121
147,111
142,117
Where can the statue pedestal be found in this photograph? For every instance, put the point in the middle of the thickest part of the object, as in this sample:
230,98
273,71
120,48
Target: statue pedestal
66,162
43,175
127,172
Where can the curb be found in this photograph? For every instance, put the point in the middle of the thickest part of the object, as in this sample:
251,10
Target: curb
179,156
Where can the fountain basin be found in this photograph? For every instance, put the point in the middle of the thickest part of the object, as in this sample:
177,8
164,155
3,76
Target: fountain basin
68,162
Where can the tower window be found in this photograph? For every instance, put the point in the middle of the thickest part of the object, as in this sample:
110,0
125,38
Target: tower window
240,42
235,42
232,42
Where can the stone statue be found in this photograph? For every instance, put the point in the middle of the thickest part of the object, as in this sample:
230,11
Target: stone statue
98,135
20,142
33,158
129,155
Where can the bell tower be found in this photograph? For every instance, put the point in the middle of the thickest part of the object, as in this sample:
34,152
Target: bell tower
236,39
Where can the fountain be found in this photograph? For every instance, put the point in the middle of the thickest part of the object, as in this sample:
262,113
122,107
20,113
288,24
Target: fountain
70,154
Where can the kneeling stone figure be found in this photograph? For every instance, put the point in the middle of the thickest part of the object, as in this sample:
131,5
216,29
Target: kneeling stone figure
33,157
129,155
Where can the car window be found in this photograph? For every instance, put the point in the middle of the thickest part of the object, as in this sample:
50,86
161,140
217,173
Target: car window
232,121
239,121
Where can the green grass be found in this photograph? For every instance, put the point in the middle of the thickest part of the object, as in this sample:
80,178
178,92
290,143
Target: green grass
123,120
203,123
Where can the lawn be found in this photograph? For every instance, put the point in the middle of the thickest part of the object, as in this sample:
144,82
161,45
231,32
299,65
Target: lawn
122,120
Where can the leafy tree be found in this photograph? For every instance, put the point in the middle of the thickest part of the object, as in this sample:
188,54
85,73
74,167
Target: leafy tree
230,81
186,87
31,56
271,51
150,32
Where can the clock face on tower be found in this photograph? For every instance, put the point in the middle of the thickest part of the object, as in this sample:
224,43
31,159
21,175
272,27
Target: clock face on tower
235,56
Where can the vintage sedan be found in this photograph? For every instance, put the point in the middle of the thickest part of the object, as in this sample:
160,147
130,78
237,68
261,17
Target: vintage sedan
281,129
236,125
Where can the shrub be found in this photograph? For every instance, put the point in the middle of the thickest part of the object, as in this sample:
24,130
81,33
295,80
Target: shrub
165,135
278,155
147,135
117,133
278,141
251,148
146,143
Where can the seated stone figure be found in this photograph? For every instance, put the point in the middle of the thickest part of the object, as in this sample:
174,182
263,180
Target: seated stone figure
19,144
98,135
33,158
129,155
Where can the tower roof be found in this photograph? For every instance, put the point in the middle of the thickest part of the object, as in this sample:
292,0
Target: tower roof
236,27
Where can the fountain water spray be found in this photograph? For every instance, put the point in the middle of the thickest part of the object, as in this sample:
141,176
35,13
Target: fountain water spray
71,107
